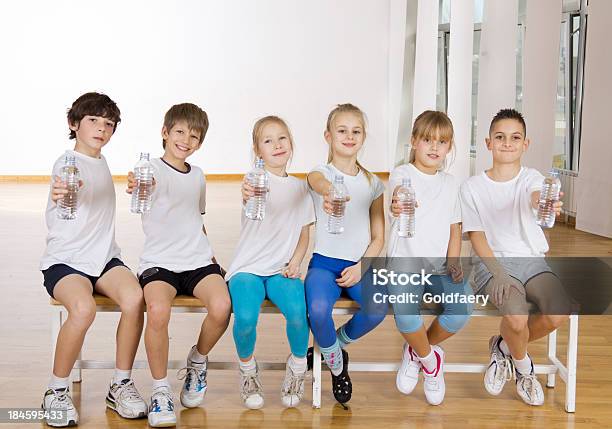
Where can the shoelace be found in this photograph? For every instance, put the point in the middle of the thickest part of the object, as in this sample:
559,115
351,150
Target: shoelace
295,385
166,401
128,392
188,373
251,385
528,384
430,381
505,369
60,400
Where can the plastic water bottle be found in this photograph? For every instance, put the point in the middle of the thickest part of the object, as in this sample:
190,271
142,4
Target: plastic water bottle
339,195
406,197
548,196
260,181
69,175
141,195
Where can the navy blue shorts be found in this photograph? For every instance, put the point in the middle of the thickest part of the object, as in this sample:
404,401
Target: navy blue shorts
56,272
184,282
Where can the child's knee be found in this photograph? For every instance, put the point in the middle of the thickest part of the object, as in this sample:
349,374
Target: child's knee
408,323
554,321
517,322
83,313
132,301
220,308
453,322
245,321
158,315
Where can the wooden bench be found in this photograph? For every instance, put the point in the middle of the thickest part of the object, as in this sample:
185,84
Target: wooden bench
185,304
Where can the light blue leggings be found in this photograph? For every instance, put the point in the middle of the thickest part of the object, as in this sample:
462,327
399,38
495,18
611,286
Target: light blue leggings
248,291
452,319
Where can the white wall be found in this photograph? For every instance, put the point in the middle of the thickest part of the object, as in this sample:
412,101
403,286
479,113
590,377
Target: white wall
460,83
496,70
540,76
239,60
594,187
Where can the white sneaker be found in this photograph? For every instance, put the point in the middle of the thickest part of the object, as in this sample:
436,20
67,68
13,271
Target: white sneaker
292,390
194,387
500,370
125,400
161,410
529,388
433,383
60,400
408,373
251,390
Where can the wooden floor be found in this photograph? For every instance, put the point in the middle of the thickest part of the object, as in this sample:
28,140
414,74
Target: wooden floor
26,350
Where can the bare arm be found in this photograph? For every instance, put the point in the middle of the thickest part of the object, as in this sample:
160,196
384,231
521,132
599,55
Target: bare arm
501,281
318,183
292,270
351,275
214,260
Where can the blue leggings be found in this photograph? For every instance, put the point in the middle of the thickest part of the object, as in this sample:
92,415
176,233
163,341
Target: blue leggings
454,316
322,292
248,292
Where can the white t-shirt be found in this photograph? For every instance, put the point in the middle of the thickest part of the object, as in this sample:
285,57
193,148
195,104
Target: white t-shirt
86,243
503,211
439,208
353,242
265,247
174,239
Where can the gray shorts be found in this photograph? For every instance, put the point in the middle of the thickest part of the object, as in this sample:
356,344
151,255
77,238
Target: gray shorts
522,269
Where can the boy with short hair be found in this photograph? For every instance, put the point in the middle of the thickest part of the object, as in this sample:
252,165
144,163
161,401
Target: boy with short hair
82,257
178,260
498,208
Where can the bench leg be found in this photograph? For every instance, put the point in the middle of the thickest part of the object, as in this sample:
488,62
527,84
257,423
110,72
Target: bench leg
552,353
56,324
75,374
572,361
316,376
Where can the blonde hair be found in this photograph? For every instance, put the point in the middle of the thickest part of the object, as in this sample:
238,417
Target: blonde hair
259,127
347,108
431,125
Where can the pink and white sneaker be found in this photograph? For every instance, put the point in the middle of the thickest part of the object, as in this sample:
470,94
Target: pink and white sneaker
408,373
433,385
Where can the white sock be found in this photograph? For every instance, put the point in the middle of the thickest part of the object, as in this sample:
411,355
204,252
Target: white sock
56,383
161,383
297,365
121,374
429,362
249,366
503,346
523,366
195,356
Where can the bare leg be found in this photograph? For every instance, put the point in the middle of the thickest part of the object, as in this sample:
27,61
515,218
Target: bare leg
158,297
546,291
212,291
436,333
418,341
74,292
120,285
513,327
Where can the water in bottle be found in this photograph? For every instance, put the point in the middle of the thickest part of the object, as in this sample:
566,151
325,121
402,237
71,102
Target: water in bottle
141,195
339,196
69,175
260,181
406,198
548,196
